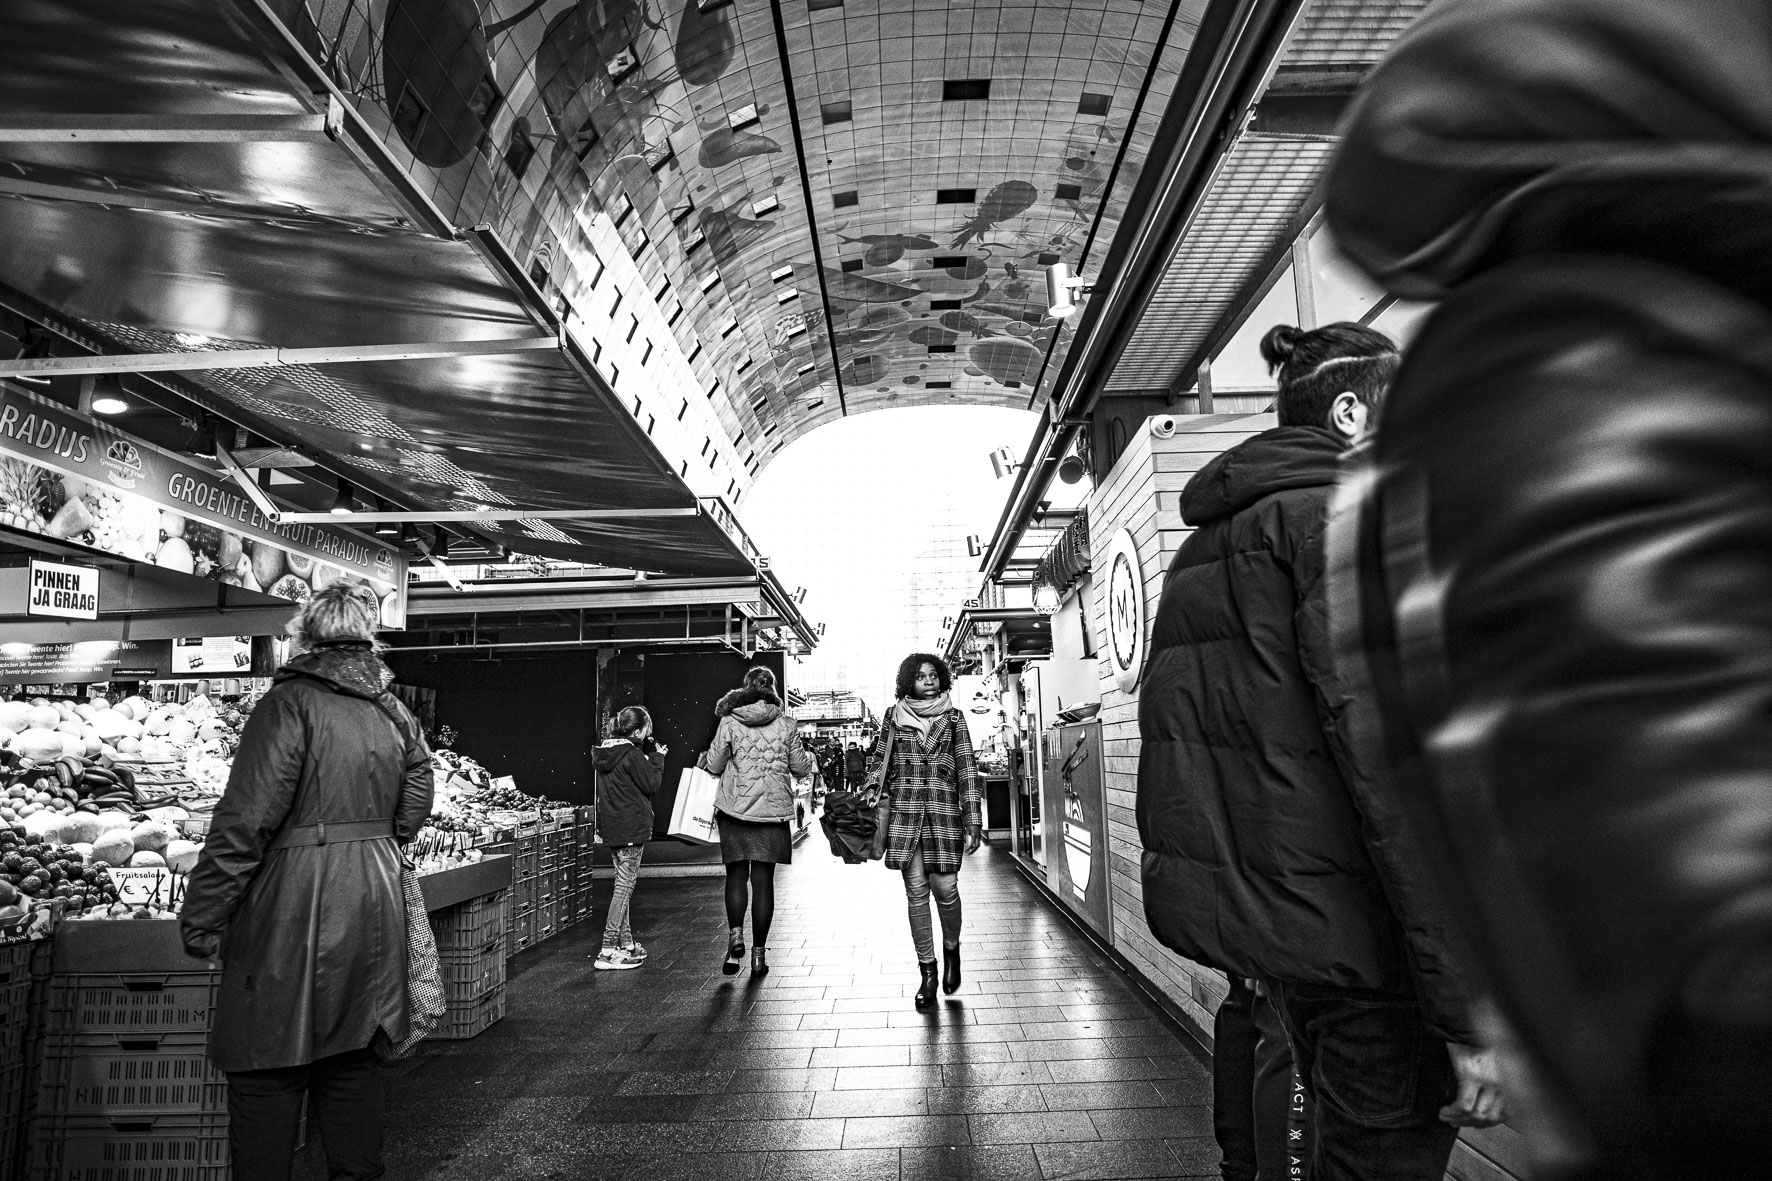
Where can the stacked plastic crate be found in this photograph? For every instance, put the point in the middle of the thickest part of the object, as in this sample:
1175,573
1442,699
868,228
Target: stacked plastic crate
22,966
583,843
472,940
125,1086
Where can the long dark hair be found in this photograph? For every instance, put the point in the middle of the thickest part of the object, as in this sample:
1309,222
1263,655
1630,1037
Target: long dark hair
1314,365
908,668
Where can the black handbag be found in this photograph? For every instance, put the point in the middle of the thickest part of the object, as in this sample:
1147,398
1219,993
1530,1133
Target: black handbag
855,822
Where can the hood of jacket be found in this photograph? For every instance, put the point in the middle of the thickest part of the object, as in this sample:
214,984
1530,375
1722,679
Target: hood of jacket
610,754
1276,460
352,669
753,707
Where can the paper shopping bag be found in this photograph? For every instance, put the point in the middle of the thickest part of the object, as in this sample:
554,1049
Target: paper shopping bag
692,816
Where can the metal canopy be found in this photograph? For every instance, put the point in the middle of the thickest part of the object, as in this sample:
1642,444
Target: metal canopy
189,182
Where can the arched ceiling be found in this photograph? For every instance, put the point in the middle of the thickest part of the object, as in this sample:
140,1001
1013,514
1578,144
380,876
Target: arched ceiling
851,200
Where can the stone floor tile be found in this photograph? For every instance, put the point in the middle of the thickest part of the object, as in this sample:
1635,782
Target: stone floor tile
980,1162
905,1131
1029,1127
1099,1162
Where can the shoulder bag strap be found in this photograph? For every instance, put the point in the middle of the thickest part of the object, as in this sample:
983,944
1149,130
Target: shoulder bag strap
875,790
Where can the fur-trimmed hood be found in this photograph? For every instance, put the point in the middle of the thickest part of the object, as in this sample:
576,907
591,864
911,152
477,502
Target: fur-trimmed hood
753,707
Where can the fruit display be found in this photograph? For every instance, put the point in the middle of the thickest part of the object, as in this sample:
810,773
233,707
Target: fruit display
37,871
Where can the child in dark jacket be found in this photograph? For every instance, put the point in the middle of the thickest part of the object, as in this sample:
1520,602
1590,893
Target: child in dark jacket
630,766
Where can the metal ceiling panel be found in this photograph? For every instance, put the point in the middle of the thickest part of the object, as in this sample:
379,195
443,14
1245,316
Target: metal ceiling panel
1349,32
179,177
1254,199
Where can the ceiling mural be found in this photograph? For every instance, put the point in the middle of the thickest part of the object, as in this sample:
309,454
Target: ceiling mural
852,202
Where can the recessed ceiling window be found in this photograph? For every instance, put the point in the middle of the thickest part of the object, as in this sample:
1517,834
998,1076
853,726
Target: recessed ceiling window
782,272
694,239
786,296
845,199
945,305
1068,192
965,89
710,280
679,212
710,5
944,262
851,265
743,117
815,404
808,367
660,155
1047,258
766,205
841,111
941,348
746,363
621,61
938,385
797,330
728,328
955,196
1094,104
820,5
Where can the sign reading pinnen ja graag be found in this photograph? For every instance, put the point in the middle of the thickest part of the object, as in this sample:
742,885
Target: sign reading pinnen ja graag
63,591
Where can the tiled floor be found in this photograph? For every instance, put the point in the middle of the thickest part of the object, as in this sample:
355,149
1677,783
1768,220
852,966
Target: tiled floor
1046,1064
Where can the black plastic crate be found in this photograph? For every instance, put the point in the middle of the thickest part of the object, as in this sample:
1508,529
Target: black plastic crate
117,1075
182,1002
472,1016
472,973
130,1148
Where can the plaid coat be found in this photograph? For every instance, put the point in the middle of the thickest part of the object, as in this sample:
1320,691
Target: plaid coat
933,785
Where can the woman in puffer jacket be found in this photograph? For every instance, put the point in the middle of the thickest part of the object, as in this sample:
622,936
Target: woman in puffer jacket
755,751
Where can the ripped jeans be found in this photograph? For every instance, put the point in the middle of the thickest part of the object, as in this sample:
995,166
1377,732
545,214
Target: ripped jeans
918,885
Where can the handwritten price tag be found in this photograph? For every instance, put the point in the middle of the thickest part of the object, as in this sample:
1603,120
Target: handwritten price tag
146,886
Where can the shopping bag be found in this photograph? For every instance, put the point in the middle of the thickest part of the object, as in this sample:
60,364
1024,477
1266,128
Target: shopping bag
692,816
425,1002
855,822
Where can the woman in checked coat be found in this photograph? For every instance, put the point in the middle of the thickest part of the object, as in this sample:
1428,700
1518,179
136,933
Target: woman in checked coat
937,808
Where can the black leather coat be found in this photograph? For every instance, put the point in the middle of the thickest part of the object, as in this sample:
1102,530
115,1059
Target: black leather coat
312,939
1268,851
1559,573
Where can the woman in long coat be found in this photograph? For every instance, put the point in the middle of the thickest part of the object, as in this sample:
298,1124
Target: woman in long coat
298,892
937,808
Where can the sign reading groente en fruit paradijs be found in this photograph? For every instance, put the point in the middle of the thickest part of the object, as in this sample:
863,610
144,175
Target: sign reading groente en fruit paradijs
74,478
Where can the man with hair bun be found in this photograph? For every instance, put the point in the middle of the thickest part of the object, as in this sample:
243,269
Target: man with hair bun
1268,853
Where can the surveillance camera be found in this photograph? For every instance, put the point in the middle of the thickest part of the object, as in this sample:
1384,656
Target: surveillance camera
1163,426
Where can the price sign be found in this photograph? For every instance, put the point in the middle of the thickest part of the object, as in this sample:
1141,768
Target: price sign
144,886
505,783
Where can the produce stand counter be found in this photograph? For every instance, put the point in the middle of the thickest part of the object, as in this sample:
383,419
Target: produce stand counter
104,1032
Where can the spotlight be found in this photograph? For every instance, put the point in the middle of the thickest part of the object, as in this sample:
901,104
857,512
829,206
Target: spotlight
342,503
1062,288
440,549
390,529
109,405
1071,469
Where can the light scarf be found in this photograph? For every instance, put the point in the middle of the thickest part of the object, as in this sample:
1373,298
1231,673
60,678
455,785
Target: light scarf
915,714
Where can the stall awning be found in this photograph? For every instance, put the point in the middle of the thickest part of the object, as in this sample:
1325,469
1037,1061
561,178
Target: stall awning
189,182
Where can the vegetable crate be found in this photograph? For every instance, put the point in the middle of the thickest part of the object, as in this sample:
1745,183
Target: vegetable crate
184,1147
121,1075
471,946
471,1016
171,1002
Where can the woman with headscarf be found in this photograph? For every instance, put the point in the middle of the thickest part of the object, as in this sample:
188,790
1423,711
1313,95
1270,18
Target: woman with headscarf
923,758
298,892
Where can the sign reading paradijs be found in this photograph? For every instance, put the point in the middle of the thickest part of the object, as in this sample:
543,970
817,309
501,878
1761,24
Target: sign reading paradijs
76,479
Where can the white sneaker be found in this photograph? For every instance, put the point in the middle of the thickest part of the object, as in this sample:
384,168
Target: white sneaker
635,949
616,959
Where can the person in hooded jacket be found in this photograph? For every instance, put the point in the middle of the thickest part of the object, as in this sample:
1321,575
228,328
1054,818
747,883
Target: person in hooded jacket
1267,854
629,766
297,891
756,749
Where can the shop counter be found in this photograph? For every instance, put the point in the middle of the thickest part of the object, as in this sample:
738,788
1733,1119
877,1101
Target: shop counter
452,886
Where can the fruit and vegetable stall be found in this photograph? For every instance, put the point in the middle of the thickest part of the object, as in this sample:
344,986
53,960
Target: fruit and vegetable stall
104,1022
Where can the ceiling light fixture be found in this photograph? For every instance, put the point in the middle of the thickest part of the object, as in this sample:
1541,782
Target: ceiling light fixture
109,405
341,504
1062,288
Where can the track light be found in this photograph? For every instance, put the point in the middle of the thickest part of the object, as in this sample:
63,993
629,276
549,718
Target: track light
390,529
343,502
440,548
1062,289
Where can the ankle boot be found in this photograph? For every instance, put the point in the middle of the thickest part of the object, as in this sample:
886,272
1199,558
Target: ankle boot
759,962
926,990
950,970
734,953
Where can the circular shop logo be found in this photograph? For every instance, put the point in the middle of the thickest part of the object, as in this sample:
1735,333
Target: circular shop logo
1125,611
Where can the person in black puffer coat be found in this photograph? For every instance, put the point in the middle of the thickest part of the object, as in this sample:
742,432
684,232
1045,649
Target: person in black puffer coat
629,766
1556,572
1265,854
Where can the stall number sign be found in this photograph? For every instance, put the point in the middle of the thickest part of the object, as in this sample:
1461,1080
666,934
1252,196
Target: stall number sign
69,592
143,886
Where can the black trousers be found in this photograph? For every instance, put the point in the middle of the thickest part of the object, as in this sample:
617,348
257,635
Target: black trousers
1377,1078
1259,1133
347,1103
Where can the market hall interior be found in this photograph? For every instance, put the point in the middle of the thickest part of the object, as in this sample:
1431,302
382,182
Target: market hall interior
523,316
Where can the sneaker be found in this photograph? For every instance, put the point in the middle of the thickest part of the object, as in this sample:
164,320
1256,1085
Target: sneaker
635,949
616,959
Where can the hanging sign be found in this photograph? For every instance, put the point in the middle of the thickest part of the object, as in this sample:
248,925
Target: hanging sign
63,591
1124,604
73,478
